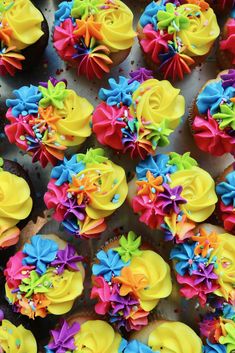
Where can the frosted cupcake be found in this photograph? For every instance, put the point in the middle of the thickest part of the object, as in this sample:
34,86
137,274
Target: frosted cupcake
170,192
176,37
226,50
212,115
138,114
128,282
44,277
93,36
205,266
84,190
45,120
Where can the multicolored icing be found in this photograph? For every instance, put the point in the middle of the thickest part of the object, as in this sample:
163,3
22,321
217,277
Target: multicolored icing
172,194
88,34
176,36
128,282
15,34
218,330
45,277
205,266
84,190
15,205
213,123
93,336
46,120
137,115
227,42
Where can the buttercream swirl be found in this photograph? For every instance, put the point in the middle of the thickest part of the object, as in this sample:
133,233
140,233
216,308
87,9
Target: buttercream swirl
226,189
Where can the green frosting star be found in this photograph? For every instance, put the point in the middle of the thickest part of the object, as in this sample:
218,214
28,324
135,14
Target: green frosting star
93,155
34,284
182,162
159,134
229,339
85,8
129,246
173,18
4,7
53,95
227,115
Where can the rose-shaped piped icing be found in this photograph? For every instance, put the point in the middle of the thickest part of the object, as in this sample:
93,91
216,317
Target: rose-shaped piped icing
46,120
93,336
16,339
227,42
128,282
20,27
213,119
177,36
45,277
15,205
205,265
171,193
84,190
88,33
137,115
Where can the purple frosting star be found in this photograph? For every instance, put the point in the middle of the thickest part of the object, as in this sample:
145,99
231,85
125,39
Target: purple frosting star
53,80
228,80
170,199
66,258
140,75
74,209
63,338
205,275
122,304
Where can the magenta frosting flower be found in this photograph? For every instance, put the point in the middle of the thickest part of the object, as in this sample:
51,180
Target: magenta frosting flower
63,338
67,258
170,199
15,271
102,291
151,211
55,198
64,39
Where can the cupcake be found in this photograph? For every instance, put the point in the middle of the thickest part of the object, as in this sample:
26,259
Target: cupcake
138,114
84,190
93,36
83,334
170,192
24,35
44,277
218,329
176,37
46,120
225,190
226,50
205,265
212,115
129,279
221,7
163,337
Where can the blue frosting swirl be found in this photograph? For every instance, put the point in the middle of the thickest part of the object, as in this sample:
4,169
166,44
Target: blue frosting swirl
226,189
65,171
149,16
228,311
63,12
122,345
26,101
40,253
120,92
135,346
212,96
213,348
157,165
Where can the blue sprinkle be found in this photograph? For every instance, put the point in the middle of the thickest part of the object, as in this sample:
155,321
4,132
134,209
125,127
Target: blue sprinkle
153,190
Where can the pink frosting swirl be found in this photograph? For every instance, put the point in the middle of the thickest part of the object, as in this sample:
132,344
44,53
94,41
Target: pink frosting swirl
229,43
54,199
15,271
228,217
151,213
64,39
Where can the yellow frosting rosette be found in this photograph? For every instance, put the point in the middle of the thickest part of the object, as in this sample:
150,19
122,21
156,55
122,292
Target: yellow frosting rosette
157,101
16,339
198,191
25,21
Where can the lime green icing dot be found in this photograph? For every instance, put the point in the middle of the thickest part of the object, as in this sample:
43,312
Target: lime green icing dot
182,162
229,339
173,18
34,284
226,115
53,95
158,134
85,8
92,156
18,342
129,246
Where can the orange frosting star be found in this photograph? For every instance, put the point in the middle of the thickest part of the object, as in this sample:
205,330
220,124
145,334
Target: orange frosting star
151,186
201,3
205,242
182,229
82,187
130,282
5,32
88,28
35,307
45,118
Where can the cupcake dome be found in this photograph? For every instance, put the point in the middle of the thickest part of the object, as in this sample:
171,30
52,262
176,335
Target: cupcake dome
84,190
128,282
138,114
22,41
170,192
176,37
93,35
226,51
44,277
205,265
46,120
212,116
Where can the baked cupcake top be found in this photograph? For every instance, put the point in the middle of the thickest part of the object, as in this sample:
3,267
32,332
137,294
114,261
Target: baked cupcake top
205,265
93,336
87,33
213,121
15,205
175,35
218,330
20,27
173,194
128,282
138,114
46,120
45,277
84,190
227,43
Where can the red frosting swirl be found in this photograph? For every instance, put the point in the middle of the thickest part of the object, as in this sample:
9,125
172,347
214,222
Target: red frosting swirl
229,42
228,217
64,39
54,199
151,213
